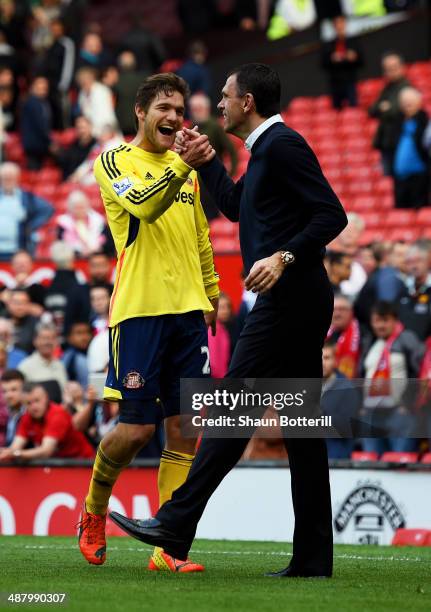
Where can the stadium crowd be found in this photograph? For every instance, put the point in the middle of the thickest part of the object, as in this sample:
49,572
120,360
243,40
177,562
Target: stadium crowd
58,79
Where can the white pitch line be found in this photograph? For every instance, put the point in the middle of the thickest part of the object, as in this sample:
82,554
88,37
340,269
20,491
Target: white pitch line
233,553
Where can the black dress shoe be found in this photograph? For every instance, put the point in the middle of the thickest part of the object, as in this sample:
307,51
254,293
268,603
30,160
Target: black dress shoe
151,531
289,572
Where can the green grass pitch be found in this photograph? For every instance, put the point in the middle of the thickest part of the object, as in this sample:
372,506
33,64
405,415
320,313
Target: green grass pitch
365,578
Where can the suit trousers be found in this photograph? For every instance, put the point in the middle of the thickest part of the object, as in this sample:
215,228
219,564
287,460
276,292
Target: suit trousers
283,337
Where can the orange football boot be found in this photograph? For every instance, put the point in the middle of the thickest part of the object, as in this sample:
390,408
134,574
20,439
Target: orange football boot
91,537
162,562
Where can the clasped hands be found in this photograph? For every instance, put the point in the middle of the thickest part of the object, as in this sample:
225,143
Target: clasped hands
194,149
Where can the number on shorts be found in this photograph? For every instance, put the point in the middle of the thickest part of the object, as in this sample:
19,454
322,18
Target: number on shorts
206,368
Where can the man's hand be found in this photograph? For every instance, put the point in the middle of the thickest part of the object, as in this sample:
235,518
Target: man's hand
211,317
264,274
6,454
196,149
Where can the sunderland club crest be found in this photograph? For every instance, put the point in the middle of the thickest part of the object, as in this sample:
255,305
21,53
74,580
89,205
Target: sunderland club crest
133,380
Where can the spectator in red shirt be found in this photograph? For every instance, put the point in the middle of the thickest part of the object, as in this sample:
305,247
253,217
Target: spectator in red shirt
49,428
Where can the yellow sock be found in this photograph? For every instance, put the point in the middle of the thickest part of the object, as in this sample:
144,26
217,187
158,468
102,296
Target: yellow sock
105,474
173,471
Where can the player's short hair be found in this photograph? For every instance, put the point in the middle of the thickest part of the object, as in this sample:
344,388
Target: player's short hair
9,375
166,82
263,82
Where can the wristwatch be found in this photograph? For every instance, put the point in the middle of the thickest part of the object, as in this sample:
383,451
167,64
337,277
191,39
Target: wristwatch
16,453
287,257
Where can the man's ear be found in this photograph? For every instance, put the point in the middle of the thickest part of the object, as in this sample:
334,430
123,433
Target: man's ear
139,112
248,104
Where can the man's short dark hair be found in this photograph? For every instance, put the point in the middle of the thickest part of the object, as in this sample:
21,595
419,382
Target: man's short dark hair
106,286
29,387
9,375
166,82
263,83
335,257
98,254
76,323
385,309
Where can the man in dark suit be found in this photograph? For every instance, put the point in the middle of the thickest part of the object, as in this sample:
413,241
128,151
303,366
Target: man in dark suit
287,213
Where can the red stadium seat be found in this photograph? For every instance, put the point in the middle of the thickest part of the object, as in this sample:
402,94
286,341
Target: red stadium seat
364,456
411,537
49,175
372,235
365,203
301,105
384,185
372,219
426,233
393,457
225,245
360,187
426,459
222,227
399,218
403,234
423,216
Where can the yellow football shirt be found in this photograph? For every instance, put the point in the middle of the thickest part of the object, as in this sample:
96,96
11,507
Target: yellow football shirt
165,259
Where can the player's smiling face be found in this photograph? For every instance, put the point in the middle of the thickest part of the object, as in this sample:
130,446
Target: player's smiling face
232,106
161,121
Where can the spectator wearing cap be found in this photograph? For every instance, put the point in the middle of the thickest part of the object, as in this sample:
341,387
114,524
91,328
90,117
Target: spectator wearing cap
22,213
411,171
42,366
49,428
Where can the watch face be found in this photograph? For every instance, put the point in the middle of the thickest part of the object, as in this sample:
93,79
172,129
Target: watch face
288,257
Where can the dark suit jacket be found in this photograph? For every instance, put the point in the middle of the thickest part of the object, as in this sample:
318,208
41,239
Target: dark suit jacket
283,202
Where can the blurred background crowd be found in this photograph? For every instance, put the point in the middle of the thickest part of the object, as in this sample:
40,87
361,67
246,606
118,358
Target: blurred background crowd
69,71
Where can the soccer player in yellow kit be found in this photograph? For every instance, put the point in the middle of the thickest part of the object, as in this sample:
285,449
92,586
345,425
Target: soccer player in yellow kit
166,293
